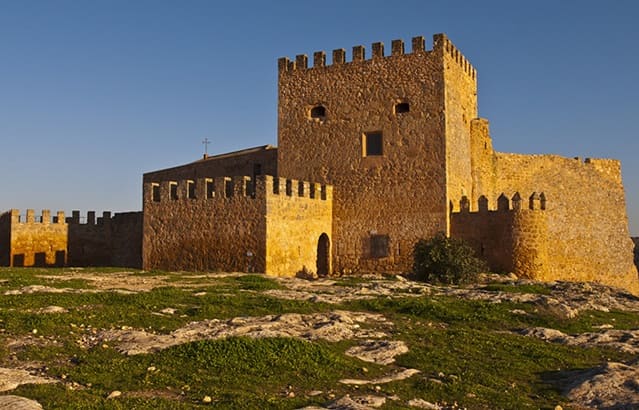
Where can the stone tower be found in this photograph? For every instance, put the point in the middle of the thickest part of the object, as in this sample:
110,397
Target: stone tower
391,133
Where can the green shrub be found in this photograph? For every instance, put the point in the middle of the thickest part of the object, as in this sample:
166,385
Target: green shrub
446,261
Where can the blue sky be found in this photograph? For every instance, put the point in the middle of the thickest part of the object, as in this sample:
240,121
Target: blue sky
94,93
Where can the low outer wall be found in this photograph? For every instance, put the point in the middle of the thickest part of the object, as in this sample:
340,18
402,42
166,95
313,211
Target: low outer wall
32,243
510,240
271,226
43,241
204,233
112,241
586,212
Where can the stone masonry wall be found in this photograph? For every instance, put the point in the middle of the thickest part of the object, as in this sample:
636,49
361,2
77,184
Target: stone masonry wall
126,239
509,239
60,241
5,239
587,222
460,93
36,243
108,241
237,226
294,224
382,203
204,233
237,163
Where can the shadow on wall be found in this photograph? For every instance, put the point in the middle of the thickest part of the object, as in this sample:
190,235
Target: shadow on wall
635,240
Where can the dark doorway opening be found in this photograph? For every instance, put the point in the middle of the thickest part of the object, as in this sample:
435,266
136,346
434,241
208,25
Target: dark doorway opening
323,255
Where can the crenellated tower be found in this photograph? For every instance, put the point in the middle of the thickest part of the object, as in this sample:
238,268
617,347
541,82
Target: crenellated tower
391,133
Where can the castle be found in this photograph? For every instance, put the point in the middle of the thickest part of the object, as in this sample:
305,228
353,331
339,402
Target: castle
373,154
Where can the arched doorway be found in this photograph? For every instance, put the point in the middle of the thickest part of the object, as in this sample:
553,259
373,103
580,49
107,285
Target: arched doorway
323,255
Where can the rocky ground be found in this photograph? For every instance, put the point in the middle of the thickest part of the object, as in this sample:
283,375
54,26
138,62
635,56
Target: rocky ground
610,386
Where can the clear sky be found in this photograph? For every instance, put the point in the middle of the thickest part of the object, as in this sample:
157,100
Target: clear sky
95,93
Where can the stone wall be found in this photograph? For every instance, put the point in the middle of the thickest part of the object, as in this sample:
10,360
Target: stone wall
126,239
382,203
5,238
460,107
586,213
294,224
510,239
108,241
60,241
635,241
235,224
32,242
251,161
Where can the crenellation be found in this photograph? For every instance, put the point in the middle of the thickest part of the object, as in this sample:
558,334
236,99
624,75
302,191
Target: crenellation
418,44
30,216
46,216
397,47
378,50
283,64
290,185
339,56
206,189
359,53
319,59
91,218
516,201
503,203
534,201
482,204
301,61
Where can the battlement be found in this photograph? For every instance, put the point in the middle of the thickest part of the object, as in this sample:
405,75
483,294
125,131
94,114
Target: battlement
229,188
358,55
535,202
45,218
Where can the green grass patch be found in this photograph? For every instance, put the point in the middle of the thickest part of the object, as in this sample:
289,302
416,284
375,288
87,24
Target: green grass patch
235,372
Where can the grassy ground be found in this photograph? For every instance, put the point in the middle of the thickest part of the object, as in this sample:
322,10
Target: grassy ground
467,350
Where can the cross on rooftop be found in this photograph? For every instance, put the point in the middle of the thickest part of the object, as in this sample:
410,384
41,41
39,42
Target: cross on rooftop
206,143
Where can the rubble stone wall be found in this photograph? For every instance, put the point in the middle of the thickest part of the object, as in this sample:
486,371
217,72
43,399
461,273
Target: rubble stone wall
44,240
235,224
384,201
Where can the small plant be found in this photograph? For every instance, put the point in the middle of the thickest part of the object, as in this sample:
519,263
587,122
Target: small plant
445,261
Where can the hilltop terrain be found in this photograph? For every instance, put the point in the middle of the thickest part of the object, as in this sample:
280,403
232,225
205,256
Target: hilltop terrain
87,338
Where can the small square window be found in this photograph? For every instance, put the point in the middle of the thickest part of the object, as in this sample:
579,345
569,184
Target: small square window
401,108
379,246
372,144
318,112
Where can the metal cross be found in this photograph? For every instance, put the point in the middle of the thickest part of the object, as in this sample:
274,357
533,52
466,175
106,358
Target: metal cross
206,143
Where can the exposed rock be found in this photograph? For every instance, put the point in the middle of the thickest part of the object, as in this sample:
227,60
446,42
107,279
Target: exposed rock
333,326
12,378
623,340
423,404
401,375
378,351
357,403
611,386
52,309
18,403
